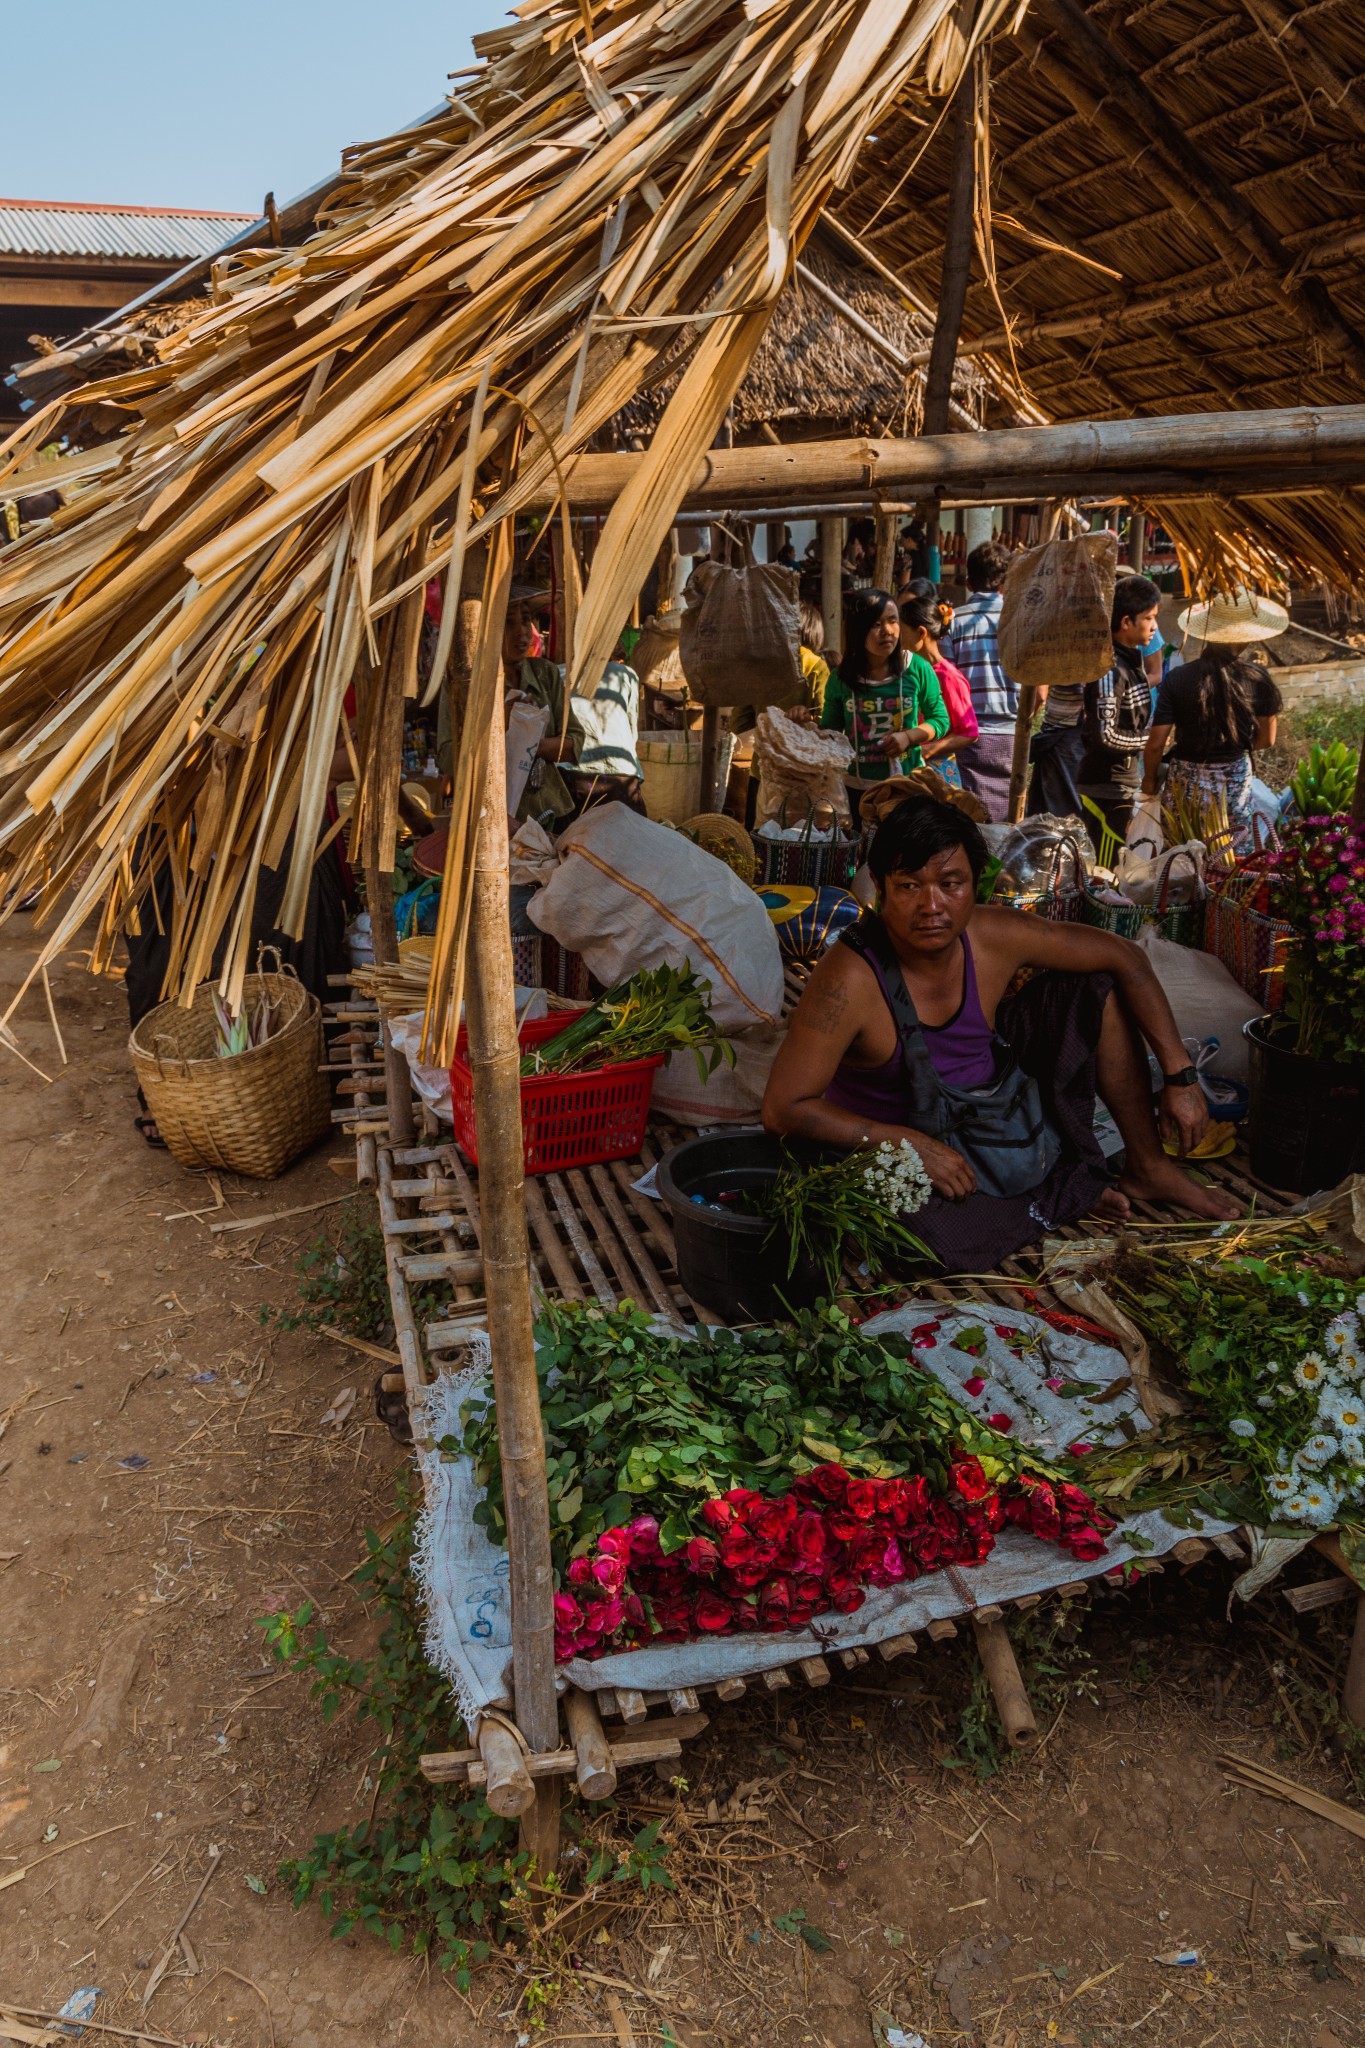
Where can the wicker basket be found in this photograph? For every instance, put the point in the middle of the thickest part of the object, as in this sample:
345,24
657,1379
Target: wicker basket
251,1114
727,839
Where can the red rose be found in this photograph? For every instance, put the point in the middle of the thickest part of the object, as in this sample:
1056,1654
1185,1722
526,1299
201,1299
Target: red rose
974,1386
1086,1544
890,1568
774,1605
772,1520
737,1547
808,1538
1002,1422
917,1498
926,1544
1073,1499
643,1532
848,1598
862,1498
711,1612
895,1504
743,1576
718,1514
866,1553
1044,1519
829,1481
609,1572
1016,1511
843,1525
969,1479
700,1555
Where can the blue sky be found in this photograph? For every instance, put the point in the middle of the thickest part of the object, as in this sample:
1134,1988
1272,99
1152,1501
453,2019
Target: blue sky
174,103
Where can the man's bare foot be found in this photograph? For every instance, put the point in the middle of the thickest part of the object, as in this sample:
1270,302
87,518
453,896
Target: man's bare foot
1113,1206
1166,1181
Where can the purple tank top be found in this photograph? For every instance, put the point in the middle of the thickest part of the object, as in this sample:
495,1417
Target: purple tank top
962,1052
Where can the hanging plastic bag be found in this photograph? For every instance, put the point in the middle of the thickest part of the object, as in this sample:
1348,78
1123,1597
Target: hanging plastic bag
740,639
1054,624
1146,835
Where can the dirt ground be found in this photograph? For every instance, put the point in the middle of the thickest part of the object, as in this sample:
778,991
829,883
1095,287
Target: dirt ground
167,1476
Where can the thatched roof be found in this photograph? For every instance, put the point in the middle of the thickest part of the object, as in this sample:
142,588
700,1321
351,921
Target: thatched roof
819,372
1203,254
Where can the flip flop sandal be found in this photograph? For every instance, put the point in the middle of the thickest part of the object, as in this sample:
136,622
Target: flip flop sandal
146,1126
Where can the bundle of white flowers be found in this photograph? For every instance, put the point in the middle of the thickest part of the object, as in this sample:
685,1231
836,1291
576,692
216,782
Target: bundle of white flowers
896,1175
1326,1471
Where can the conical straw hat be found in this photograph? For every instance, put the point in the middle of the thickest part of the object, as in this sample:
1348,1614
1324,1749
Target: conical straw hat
1240,620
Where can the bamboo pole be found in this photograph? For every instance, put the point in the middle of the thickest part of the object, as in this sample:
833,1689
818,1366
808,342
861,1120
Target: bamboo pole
1137,540
1028,704
490,1009
397,1077
596,1771
884,575
1002,1671
710,754
959,230
1304,438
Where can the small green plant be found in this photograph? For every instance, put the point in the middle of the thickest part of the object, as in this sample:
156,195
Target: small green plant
439,1877
1325,783
344,1282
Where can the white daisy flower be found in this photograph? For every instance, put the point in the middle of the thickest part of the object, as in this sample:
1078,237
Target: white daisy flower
1240,1426
1360,1304
1341,1335
1311,1370
1344,1409
1353,1449
1294,1508
1321,1503
1265,1400
1349,1365
1280,1485
1303,1299
1319,1449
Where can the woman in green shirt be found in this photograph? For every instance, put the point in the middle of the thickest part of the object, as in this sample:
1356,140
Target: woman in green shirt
886,701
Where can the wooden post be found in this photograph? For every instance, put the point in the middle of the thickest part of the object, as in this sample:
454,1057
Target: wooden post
490,1010
710,755
596,1771
832,584
888,529
1137,540
958,234
1051,513
397,1076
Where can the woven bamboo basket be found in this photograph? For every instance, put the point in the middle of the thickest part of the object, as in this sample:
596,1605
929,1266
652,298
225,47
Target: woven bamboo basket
251,1114
726,839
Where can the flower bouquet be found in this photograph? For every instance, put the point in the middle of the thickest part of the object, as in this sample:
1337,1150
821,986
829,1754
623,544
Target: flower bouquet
1273,1348
1319,885
860,1198
740,1480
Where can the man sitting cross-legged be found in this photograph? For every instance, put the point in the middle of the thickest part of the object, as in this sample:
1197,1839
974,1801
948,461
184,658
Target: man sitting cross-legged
906,1031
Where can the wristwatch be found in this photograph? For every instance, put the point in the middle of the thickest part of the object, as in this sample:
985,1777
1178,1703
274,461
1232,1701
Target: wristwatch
1188,1077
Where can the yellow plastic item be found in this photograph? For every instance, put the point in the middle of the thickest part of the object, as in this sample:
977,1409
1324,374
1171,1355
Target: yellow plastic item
1216,1143
1111,846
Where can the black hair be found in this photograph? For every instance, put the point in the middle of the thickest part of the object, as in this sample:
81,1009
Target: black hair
920,586
863,611
987,566
1224,695
812,625
917,829
925,612
1133,594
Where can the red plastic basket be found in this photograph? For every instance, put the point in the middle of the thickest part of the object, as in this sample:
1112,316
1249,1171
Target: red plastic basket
566,1119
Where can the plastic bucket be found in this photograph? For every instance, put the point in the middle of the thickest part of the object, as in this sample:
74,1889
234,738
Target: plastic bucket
723,1260
1306,1128
670,767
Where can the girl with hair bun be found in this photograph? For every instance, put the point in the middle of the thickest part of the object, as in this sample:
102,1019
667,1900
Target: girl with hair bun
924,621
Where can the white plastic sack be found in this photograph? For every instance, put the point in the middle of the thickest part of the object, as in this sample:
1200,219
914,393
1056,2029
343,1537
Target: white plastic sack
525,731
799,766
1145,835
731,1095
433,1083
1141,880
629,894
1206,1000
534,856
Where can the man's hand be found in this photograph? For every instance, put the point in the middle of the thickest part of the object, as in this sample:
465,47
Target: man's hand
948,1171
1183,1116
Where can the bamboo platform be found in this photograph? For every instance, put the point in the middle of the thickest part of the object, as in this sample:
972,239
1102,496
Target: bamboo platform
595,1237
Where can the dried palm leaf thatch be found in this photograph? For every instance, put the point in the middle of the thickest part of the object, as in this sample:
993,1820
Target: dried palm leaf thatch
1268,539
350,416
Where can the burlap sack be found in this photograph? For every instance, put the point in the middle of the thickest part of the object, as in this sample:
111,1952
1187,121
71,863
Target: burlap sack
740,639
799,766
1054,626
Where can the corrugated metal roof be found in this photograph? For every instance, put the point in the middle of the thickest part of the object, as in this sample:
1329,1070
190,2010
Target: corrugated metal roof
140,234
